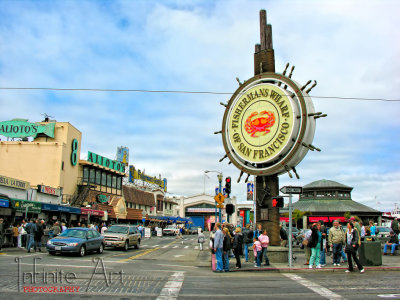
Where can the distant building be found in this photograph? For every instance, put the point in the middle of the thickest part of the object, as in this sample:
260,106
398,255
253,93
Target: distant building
329,200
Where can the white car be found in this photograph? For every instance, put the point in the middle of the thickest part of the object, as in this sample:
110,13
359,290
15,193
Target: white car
169,230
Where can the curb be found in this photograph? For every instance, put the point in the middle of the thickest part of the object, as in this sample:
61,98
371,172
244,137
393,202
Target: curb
307,270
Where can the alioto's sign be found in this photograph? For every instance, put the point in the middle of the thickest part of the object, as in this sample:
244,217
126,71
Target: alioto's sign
20,128
106,162
266,126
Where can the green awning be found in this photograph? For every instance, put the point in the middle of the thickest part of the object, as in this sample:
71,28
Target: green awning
21,205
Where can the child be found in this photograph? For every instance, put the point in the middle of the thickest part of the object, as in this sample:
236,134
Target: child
264,240
257,252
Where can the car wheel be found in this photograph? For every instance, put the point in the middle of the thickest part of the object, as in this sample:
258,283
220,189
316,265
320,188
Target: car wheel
82,251
126,246
137,244
52,252
101,249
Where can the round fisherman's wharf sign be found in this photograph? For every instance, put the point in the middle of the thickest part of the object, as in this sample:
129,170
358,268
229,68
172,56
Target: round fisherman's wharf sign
266,123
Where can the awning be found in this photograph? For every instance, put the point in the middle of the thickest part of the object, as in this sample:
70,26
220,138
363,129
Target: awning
340,219
92,212
283,219
4,202
23,205
316,219
62,208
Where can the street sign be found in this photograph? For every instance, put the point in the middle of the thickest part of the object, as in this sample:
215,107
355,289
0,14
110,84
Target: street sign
220,206
219,198
292,190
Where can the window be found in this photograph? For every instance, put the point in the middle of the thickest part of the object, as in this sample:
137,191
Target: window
114,181
132,230
85,174
103,178
98,177
90,234
92,176
109,179
119,182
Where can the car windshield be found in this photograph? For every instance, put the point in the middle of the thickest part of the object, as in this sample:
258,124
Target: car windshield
118,229
74,233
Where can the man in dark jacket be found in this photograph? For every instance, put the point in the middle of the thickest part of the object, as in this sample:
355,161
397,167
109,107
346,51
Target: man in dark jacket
395,226
284,236
238,246
226,248
248,235
1,233
30,230
39,234
393,242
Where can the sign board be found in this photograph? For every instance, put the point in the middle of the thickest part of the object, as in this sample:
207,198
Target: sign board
106,162
159,231
49,190
220,206
292,190
103,198
15,183
219,198
264,214
266,126
123,155
147,232
22,205
138,175
20,128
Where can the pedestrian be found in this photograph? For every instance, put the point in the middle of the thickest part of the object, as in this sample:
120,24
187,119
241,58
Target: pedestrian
201,238
372,228
307,250
393,242
238,246
362,232
15,235
104,228
56,229
352,244
63,227
264,240
21,233
31,230
258,232
395,226
39,234
284,236
336,240
315,245
227,246
257,252
248,236
322,256
1,233
218,247
140,228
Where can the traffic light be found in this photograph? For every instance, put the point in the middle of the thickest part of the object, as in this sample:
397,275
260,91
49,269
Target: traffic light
230,209
228,186
277,202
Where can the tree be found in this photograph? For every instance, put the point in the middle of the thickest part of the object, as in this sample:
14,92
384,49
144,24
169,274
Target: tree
297,216
347,215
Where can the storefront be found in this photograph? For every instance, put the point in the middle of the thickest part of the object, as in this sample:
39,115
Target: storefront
91,216
25,209
69,215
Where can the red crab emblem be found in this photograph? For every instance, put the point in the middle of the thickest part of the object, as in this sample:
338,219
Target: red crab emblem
260,124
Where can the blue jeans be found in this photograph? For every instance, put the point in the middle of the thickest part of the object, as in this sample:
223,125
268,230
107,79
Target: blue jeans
343,255
246,250
393,247
336,249
31,242
259,258
322,257
264,251
226,261
218,257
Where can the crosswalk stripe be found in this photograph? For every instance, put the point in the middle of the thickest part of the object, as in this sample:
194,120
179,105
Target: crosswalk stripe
197,247
186,247
175,247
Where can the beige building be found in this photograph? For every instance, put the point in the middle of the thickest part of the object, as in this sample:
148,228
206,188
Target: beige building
44,161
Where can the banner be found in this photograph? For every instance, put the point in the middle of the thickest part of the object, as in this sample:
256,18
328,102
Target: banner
138,175
250,187
123,155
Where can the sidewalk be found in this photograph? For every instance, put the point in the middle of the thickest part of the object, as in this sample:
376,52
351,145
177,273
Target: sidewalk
388,263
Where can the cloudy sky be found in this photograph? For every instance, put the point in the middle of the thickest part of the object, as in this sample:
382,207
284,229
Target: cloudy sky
350,47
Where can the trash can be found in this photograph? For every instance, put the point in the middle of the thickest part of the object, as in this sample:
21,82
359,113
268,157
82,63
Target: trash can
371,252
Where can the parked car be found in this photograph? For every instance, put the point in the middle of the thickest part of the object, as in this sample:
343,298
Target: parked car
122,236
169,230
76,240
194,229
382,231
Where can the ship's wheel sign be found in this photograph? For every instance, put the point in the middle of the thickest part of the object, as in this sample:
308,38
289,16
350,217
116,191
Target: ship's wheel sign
268,125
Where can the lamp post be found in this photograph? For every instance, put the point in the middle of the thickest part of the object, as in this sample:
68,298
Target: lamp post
220,176
204,185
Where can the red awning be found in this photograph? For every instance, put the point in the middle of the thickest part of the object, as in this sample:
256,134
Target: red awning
316,219
340,219
283,219
92,212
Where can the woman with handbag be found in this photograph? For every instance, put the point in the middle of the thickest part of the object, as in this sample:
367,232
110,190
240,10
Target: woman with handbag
352,243
315,244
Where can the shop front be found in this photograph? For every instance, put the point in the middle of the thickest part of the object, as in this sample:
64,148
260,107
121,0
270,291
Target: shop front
91,216
69,215
24,209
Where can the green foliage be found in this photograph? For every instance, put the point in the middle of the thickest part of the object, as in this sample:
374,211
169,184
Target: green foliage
347,215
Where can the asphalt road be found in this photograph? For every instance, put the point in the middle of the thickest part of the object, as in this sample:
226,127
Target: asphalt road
166,268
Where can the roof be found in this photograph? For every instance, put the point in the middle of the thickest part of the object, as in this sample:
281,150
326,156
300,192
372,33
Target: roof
334,206
319,184
136,196
133,214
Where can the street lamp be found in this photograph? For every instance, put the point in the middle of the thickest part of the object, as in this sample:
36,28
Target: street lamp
220,176
204,189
